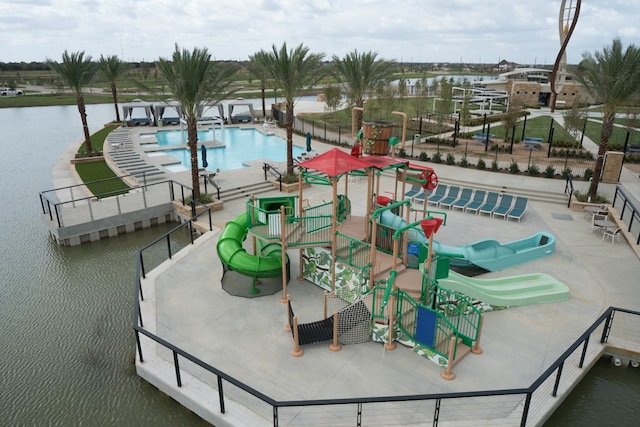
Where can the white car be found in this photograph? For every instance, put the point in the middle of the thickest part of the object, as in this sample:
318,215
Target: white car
5,91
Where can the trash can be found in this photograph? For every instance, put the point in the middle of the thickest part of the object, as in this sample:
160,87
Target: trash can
416,139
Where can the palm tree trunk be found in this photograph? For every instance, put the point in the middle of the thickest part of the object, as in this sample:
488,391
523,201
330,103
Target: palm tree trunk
192,138
85,126
262,91
605,134
289,126
114,94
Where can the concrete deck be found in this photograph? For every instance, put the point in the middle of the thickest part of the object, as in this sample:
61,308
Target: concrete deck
186,305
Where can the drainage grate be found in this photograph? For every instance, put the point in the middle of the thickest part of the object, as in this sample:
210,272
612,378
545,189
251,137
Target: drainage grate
563,217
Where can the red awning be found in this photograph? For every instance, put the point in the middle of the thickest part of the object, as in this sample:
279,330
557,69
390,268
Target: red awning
335,162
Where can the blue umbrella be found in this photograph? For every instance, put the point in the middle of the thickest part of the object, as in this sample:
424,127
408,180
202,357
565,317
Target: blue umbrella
308,141
203,152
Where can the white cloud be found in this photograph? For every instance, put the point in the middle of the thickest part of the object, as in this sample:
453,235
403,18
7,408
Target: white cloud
412,30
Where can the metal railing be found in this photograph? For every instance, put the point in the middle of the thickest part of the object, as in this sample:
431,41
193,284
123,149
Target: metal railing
75,204
629,214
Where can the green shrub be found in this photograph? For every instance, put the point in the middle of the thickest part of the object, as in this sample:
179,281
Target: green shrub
481,164
494,166
533,170
549,172
588,173
423,156
565,173
513,167
437,158
464,162
451,160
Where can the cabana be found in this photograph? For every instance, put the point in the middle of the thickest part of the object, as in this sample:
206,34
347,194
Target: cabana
159,110
241,118
127,113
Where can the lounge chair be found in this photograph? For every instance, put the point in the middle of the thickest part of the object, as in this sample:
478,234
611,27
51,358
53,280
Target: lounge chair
415,189
476,202
518,209
452,196
438,194
504,206
464,200
419,198
490,203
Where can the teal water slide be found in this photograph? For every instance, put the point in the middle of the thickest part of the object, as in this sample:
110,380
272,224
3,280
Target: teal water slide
509,291
268,261
489,254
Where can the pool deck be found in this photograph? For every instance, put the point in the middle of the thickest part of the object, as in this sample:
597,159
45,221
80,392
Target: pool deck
185,304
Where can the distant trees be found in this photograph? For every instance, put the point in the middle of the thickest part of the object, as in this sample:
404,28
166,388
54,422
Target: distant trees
77,71
611,78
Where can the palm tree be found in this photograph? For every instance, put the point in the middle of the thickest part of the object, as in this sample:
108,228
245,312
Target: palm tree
293,70
611,78
77,71
112,69
193,80
258,67
362,74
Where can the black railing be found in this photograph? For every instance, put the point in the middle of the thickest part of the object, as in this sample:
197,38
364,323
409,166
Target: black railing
604,321
629,214
75,196
568,188
271,170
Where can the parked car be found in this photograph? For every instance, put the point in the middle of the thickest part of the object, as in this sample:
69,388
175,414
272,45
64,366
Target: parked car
5,91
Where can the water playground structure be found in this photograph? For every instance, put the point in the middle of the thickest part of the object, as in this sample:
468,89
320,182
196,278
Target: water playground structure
385,278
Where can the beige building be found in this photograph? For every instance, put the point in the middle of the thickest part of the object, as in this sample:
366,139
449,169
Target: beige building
530,86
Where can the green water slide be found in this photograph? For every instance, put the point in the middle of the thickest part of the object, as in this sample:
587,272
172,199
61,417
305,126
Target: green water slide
508,291
268,262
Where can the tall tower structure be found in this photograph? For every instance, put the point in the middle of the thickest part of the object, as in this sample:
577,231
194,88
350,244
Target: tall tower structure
567,21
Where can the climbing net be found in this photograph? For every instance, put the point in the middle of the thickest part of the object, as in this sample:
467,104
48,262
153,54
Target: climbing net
354,319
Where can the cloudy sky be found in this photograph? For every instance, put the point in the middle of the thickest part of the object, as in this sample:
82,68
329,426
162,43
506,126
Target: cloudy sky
523,31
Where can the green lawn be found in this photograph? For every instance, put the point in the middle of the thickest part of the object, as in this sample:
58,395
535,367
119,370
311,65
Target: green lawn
98,177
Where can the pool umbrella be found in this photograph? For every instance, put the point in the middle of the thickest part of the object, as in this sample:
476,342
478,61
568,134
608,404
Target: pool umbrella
308,141
203,152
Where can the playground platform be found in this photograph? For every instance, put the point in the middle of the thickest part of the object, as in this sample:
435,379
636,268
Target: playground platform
246,339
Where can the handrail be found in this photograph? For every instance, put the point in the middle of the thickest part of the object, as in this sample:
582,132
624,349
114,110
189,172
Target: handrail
635,211
569,186
266,167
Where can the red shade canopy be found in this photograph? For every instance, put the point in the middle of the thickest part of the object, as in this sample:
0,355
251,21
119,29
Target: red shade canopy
335,162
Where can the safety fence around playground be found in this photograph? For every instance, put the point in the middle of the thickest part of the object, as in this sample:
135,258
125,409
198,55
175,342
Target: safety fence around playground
528,405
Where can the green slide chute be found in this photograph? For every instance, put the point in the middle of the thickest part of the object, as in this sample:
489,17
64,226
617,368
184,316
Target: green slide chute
268,262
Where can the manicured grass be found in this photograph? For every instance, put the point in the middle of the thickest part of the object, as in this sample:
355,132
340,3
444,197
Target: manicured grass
537,127
98,176
618,136
100,179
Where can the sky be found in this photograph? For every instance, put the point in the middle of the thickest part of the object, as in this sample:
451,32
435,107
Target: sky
473,31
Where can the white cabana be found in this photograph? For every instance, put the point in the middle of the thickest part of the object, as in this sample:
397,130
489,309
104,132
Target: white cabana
127,112
205,114
159,109
241,102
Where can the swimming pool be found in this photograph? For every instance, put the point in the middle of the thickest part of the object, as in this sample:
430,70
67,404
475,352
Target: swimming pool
241,145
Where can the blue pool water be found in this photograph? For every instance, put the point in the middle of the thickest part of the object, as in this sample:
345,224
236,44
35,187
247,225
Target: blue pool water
241,145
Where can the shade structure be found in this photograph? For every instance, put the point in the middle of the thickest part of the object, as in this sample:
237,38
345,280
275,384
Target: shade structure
335,162
203,155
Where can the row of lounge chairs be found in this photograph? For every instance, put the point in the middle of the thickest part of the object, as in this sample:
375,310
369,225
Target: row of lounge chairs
454,197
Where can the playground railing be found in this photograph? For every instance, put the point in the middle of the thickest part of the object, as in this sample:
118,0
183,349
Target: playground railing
384,239
353,252
308,230
407,317
461,312
320,210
